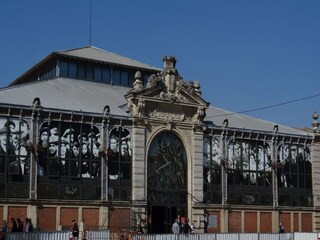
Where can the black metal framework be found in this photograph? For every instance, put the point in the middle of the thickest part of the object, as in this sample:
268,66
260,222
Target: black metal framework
119,164
294,175
167,182
14,158
250,168
69,167
212,169
67,156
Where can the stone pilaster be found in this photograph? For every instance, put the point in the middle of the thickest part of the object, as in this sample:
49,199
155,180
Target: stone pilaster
315,158
138,164
196,169
103,217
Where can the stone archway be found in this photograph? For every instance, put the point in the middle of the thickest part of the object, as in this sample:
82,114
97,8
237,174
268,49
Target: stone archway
167,182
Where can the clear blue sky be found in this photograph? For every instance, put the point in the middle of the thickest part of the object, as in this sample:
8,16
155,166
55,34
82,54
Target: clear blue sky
247,54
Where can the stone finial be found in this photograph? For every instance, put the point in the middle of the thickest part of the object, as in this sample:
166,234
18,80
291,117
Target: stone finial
276,128
196,86
315,123
226,123
169,62
137,85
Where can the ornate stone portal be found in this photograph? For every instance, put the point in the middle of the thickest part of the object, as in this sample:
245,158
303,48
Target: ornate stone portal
167,104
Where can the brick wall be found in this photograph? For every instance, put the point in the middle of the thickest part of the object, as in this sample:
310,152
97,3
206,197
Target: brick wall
306,222
250,222
47,219
17,212
66,217
91,216
234,222
285,219
265,222
119,219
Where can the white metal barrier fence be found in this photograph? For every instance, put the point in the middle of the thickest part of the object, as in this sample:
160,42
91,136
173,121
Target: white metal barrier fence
229,236
59,235
106,235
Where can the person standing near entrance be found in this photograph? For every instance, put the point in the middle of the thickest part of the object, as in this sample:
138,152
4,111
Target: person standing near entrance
176,227
186,227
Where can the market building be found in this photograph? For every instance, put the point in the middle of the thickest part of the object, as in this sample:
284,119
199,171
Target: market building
89,134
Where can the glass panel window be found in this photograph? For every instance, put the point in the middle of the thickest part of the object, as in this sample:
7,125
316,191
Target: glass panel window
211,169
14,157
72,160
106,75
81,71
64,69
119,163
124,79
167,168
89,73
97,74
249,173
72,70
116,77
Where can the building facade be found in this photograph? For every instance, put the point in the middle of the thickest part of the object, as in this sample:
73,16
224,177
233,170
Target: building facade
88,134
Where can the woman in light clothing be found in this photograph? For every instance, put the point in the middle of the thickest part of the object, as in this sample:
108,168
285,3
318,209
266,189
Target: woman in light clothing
82,230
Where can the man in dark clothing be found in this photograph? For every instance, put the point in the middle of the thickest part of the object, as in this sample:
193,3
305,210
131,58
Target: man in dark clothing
186,227
206,222
75,230
14,227
20,225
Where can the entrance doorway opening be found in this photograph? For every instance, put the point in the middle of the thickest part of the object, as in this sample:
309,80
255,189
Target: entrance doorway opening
162,218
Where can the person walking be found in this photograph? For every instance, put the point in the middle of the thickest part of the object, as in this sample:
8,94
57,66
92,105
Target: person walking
75,230
29,225
175,227
20,225
82,230
14,226
4,230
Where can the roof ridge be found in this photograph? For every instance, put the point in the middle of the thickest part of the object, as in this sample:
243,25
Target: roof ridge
108,52
72,49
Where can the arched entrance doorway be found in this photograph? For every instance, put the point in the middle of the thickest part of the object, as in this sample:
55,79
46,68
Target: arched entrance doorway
167,182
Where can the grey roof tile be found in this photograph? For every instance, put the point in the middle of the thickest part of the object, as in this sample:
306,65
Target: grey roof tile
240,121
67,94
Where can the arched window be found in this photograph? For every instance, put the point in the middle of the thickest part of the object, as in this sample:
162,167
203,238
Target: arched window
167,168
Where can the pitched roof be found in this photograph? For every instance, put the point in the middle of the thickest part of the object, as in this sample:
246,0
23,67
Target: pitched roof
240,121
97,54
67,94
93,54
79,95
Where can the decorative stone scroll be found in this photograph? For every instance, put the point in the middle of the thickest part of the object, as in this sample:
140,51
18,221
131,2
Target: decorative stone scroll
166,97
